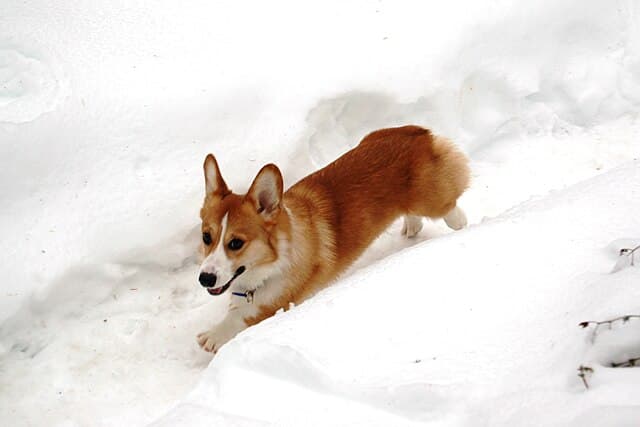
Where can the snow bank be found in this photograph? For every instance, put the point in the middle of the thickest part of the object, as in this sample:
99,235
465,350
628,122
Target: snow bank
107,110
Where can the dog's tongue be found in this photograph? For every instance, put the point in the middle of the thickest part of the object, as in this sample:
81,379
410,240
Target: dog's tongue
222,289
216,291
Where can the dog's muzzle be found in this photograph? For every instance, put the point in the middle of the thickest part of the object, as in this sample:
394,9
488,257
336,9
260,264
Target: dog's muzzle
208,280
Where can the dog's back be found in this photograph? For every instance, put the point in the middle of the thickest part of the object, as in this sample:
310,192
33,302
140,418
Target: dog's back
392,172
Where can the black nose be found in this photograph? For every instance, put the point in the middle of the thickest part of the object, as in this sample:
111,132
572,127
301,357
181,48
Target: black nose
207,280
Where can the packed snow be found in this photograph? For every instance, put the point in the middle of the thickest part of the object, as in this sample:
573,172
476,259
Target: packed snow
107,110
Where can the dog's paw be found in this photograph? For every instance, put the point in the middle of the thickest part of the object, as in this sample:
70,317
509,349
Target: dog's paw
412,226
456,219
213,339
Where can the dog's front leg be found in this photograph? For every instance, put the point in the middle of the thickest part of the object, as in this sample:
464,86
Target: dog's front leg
217,336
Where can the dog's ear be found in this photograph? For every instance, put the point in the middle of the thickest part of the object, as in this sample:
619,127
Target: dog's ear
213,181
266,191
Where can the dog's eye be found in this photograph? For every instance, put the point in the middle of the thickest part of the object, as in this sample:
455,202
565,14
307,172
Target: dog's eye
235,244
206,238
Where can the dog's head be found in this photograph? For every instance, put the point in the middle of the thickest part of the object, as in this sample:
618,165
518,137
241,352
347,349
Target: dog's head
239,232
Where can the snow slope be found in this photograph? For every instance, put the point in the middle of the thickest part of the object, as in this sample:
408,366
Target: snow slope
108,108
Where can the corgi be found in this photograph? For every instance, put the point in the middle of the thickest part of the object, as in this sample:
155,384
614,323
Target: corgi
271,248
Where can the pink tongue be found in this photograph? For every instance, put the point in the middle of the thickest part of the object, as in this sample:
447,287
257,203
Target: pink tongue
215,291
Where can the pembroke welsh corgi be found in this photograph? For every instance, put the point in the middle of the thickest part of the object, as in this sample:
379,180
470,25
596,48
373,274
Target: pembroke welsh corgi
271,248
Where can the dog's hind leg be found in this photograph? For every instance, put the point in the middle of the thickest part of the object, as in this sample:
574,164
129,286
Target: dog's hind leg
412,225
456,218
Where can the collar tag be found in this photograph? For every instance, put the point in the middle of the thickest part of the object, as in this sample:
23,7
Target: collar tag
250,296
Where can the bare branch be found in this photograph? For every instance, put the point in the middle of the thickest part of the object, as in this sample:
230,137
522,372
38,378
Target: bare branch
630,252
623,319
610,322
627,363
583,373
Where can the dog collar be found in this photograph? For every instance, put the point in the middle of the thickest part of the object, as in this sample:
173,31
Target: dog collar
248,295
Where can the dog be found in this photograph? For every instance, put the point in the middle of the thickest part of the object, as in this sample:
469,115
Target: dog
273,248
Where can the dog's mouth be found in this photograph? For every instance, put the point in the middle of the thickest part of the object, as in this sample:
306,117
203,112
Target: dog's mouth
222,289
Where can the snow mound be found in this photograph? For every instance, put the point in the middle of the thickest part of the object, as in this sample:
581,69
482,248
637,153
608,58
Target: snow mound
505,79
30,85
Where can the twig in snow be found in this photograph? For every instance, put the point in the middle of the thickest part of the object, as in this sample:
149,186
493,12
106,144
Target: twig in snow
623,319
583,372
630,252
627,364
610,322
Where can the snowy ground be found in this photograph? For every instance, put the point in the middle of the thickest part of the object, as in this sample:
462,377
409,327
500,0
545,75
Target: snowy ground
107,110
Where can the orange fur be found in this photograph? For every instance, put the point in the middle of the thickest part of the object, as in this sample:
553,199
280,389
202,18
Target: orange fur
330,217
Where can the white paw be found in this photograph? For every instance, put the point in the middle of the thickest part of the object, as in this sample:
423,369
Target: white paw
456,219
213,339
412,226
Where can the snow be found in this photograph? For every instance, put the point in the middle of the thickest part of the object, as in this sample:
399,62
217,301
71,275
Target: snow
107,110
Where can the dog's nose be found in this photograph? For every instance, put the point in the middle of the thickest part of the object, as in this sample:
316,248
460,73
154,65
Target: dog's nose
208,280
